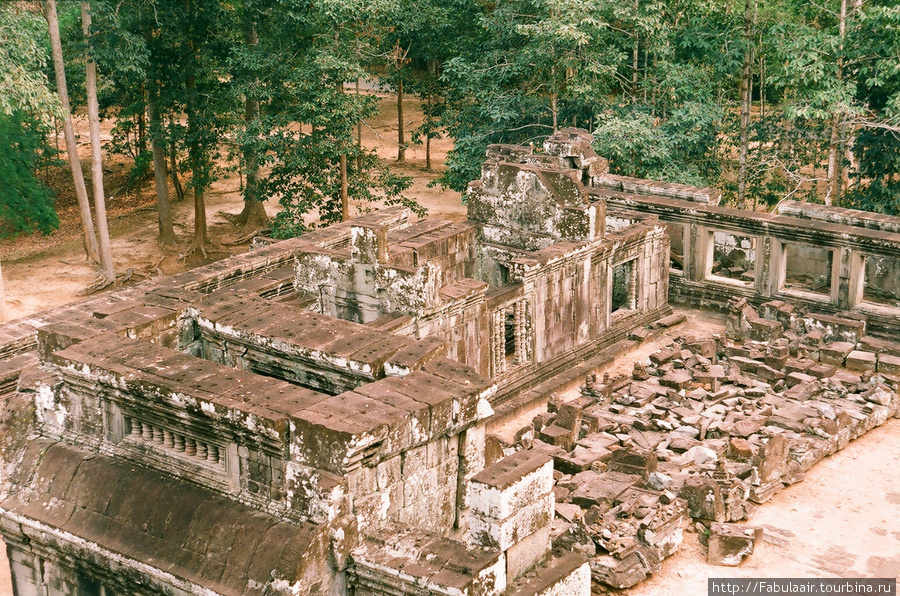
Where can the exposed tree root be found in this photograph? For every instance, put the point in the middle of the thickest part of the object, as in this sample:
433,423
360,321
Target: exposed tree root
252,216
246,237
101,282
194,248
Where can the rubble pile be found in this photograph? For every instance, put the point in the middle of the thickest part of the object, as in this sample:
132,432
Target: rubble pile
707,429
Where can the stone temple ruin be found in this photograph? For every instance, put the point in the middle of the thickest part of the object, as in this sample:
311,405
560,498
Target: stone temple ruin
376,408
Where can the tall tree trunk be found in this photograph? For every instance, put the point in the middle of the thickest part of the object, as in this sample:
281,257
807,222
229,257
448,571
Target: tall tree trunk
194,149
358,137
4,312
833,177
84,207
554,110
746,99
142,127
401,150
345,198
157,143
253,216
108,273
429,105
173,170
762,84
634,55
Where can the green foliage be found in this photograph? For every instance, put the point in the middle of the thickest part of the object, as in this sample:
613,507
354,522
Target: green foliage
307,52
678,149
26,204
26,104
23,58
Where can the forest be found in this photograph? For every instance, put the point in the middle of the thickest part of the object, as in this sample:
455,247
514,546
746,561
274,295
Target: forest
765,99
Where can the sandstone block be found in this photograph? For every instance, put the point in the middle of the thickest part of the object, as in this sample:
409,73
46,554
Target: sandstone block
513,482
731,544
861,361
503,533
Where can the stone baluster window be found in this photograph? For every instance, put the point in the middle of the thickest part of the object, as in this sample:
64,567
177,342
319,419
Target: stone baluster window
624,286
157,437
511,336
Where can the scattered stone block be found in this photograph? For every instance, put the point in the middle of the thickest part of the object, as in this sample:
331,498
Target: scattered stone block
662,356
861,361
765,330
604,490
569,413
795,378
822,371
658,481
669,321
676,379
579,459
740,449
558,436
747,365
888,365
801,365
704,499
731,544
768,373
835,353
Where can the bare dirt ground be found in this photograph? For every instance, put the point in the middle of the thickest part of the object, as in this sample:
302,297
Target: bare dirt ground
842,520
42,272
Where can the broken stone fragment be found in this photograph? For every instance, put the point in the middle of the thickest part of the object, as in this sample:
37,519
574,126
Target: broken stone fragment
575,539
658,481
740,449
704,498
698,455
880,394
731,544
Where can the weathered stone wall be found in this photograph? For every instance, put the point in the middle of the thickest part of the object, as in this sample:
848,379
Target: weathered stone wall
854,251
417,488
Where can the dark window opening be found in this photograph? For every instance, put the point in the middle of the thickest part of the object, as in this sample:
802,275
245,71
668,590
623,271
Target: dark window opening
509,336
504,274
676,252
88,586
623,288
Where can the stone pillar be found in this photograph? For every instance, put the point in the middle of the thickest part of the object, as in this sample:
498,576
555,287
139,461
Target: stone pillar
511,508
857,280
498,343
841,272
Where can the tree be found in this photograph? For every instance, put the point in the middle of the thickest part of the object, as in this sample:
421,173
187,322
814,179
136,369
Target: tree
4,312
25,103
304,137
746,96
873,51
26,107
87,224
108,274
253,216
